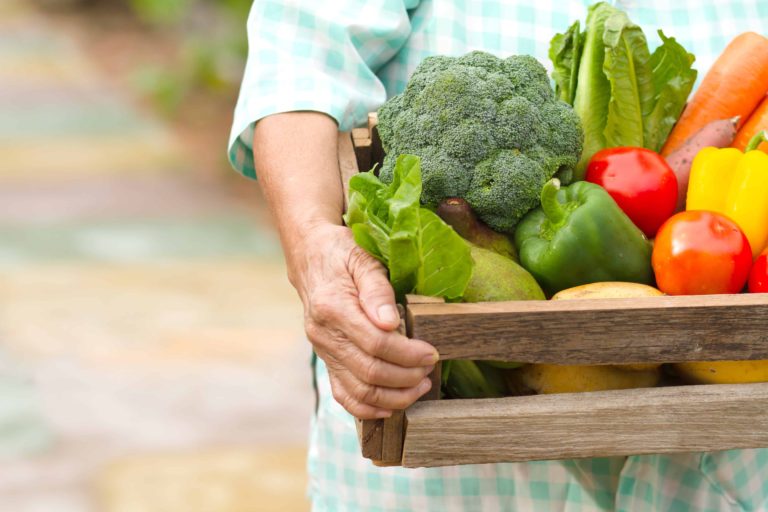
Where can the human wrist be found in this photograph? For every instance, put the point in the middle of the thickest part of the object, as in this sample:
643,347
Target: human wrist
305,247
303,231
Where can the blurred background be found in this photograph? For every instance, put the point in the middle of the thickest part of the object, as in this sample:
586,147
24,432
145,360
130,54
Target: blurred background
151,349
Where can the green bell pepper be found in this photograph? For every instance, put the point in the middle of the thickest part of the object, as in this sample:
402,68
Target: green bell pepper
579,235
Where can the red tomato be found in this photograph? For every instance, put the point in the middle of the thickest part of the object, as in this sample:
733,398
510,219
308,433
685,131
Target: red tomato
758,277
640,181
701,252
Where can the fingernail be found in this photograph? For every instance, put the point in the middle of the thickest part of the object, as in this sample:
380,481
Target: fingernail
428,369
383,414
424,386
388,314
431,359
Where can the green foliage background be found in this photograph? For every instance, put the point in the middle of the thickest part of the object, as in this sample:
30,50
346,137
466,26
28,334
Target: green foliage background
213,48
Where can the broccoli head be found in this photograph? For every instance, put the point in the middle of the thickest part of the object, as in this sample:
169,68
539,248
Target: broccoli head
488,130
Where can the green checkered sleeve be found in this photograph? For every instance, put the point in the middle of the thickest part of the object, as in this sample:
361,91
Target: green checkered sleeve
319,56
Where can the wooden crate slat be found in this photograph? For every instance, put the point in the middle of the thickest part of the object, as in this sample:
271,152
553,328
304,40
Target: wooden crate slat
657,329
370,434
435,376
382,440
607,423
360,134
347,162
383,443
599,331
361,139
392,440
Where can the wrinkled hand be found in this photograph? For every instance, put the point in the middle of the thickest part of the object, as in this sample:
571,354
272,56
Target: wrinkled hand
351,319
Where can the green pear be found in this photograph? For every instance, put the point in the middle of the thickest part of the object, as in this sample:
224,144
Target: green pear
498,278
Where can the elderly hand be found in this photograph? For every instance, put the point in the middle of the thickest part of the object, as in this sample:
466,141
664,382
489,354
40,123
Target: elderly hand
351,319
350,314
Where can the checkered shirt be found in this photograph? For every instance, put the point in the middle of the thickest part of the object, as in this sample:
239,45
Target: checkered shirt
345,58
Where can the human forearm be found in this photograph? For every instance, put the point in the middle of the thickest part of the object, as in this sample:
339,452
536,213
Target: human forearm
350,314
296,157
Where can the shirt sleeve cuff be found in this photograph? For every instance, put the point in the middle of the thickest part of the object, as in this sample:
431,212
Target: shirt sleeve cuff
247,114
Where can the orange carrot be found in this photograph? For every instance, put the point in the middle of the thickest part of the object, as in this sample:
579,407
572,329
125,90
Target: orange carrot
757,121
735,84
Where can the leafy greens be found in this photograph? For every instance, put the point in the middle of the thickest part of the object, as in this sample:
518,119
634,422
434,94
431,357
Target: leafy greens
565,52
423,254
624,94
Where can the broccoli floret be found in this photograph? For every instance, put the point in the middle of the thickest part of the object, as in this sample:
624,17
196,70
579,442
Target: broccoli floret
453,179
488,130
505,187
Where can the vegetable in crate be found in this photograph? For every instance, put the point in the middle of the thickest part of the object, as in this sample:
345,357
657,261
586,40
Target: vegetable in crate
717,134
497,278
640,181
579,235
757,122
735,184
734,85
758,276
551,378
545,379
608,290
457,213
494,278
426,256
624,95
488,130
462,378
719,258
723,372
700,253
422,253
613,290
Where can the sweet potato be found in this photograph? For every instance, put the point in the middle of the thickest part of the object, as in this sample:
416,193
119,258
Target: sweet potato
719,134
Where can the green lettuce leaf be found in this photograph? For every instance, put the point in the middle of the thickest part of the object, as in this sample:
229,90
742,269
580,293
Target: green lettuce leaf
565,53
422,253
627,67
673,80
625,96
593,90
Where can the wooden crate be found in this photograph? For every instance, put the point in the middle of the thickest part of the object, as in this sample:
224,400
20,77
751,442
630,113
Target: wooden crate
665,329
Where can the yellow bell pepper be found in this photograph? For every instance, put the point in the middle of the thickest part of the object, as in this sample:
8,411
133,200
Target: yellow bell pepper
734,184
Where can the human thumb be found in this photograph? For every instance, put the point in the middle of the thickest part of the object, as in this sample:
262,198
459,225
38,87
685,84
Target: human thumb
377,298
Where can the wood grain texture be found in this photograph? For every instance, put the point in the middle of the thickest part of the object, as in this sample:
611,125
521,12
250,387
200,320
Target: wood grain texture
608,423
599,331
347,162
412,298
360,134
361,139
435,377
370,434
433,432
382,440
392,439
373,119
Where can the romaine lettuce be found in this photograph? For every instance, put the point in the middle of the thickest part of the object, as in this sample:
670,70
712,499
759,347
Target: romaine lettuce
624,95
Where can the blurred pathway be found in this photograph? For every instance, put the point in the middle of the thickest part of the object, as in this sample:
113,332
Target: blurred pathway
148,336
